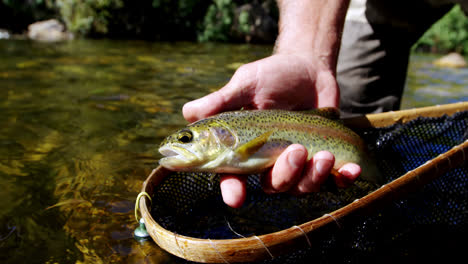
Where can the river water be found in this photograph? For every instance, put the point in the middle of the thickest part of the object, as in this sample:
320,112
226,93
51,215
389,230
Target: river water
79,128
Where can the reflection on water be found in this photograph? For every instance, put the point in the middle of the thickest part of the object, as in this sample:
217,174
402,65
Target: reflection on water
79,129
429,85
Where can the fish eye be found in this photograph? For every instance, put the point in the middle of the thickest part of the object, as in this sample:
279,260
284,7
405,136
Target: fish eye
185,136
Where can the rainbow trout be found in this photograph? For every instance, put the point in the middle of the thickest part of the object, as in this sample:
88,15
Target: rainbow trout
249,141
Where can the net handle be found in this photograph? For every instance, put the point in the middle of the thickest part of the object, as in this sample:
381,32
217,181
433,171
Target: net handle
404,116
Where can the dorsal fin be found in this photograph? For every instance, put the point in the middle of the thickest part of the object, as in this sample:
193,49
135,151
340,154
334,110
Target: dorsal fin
327,112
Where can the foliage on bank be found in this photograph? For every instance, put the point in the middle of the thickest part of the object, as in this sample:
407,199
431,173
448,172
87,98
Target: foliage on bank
450,33
148,19
215,20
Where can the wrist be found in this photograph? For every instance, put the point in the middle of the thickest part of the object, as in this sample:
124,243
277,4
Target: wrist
312,28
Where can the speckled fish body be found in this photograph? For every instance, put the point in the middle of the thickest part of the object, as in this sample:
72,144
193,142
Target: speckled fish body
250,141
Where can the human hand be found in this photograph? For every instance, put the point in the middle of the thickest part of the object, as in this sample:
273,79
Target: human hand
282,81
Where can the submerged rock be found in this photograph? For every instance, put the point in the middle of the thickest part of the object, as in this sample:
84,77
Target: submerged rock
4,34
49,31
451,60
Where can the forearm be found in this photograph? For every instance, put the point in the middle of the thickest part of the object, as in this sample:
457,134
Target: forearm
312,27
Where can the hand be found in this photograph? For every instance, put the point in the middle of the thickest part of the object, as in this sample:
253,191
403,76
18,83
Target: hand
281,81
285,81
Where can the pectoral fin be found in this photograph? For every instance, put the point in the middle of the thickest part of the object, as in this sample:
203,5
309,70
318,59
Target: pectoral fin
249,148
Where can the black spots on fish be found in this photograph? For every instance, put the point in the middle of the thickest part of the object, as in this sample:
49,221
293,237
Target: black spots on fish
249,134
292,134
262,121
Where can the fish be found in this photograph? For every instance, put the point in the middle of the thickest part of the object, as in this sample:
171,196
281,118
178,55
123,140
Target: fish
250,141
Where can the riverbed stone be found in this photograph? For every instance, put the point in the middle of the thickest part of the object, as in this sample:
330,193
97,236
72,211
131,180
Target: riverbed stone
49,31
4,34
451,60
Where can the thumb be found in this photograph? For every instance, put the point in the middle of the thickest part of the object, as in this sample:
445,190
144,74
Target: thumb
237,93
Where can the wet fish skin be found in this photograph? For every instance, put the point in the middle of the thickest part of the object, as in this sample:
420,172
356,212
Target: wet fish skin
249,141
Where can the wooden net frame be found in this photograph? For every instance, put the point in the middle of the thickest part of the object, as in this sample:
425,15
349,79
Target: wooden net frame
267,246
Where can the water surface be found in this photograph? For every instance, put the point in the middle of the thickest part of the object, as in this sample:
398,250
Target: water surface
79,130
429,85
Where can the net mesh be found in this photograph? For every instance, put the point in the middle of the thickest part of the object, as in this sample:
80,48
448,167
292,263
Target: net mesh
428,224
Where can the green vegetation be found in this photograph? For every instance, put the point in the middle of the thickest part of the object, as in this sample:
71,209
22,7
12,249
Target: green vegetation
152,19
449,34
144,19
218,21
83,16
215,20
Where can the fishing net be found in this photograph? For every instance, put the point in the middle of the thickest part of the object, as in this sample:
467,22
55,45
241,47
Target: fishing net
429,223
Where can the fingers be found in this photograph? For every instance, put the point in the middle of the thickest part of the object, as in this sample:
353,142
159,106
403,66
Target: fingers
204,107
317,171
348,174
287,170
233,190
237,93
292,173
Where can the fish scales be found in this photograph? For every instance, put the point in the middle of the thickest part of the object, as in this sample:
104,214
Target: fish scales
250,141
314,132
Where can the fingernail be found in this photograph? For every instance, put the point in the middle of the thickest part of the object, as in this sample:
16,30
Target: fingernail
321,166
191,104
295,158
190,110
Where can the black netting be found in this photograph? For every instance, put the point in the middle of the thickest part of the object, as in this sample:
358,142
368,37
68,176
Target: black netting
427,225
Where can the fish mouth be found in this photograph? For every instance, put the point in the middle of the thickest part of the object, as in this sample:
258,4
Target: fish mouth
177,157
167,152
